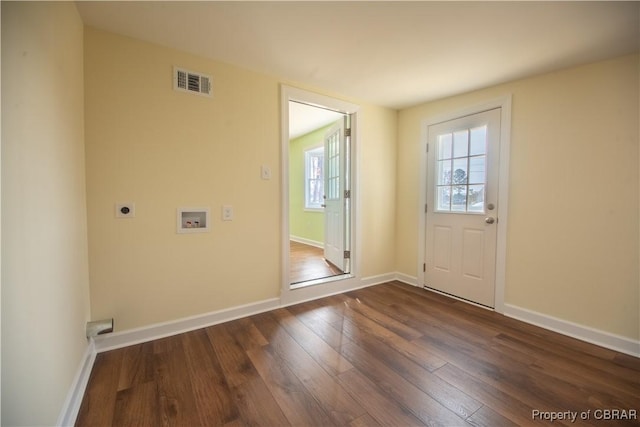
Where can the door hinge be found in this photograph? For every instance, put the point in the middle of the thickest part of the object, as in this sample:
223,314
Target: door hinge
426,208
347,194
427,148
347,254
424,267
347,132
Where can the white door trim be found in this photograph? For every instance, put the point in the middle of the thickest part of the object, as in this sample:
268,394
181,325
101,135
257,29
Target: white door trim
336,284
503,191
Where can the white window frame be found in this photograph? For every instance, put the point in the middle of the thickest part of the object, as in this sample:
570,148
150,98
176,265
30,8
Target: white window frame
309,153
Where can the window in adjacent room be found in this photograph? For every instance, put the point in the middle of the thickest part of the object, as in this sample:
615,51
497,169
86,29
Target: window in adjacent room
314,178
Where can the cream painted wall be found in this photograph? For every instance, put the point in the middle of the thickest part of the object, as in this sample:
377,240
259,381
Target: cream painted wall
572,246
162,149
377,189
45,291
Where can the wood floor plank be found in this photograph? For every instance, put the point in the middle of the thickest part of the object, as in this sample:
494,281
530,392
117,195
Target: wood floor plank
389,354
592,384
353,321
235,364
246,333
556,386
388,322
500,401
99,401
494,368
164,345
440,390
297,404
410,309
235,423
316,320
256,404
486,417
506,403
175,393
336,402
625,361
307,262
397,306
365,420
253,399
325,355
440,315
508,375
137,406
491,320
211,391
485,345
420,404
597,370
380,407
137,366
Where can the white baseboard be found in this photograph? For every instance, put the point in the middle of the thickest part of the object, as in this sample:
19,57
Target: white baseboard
73,401
307,241
327,289
174,327
129,337
405,278
377,279
574,330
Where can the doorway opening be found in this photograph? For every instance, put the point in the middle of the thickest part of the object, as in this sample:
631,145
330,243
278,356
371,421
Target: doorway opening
318,237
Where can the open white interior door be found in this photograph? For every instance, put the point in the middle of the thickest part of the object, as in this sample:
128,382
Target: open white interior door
334,188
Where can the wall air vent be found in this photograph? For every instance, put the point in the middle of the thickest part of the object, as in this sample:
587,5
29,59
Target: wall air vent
189,81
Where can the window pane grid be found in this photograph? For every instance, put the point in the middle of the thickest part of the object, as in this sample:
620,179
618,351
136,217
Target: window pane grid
314,178
461,171
333,167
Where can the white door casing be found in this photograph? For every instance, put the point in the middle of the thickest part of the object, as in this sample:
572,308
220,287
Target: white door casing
462,206
292,294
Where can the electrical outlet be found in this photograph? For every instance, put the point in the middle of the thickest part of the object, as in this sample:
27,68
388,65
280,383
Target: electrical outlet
227,213
125,210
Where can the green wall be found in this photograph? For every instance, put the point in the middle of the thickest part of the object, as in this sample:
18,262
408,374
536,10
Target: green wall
303,223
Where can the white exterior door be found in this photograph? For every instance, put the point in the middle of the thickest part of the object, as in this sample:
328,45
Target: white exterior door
334,188
462,198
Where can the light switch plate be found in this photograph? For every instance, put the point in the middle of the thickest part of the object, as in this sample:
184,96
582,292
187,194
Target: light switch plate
227,213
265,172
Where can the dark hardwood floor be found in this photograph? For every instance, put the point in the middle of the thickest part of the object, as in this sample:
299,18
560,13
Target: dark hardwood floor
307,263
390,355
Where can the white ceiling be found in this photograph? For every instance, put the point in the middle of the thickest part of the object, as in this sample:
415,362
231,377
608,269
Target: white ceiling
394,54
306,118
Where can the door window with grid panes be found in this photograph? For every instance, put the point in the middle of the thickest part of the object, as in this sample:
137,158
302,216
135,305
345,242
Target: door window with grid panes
461,162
